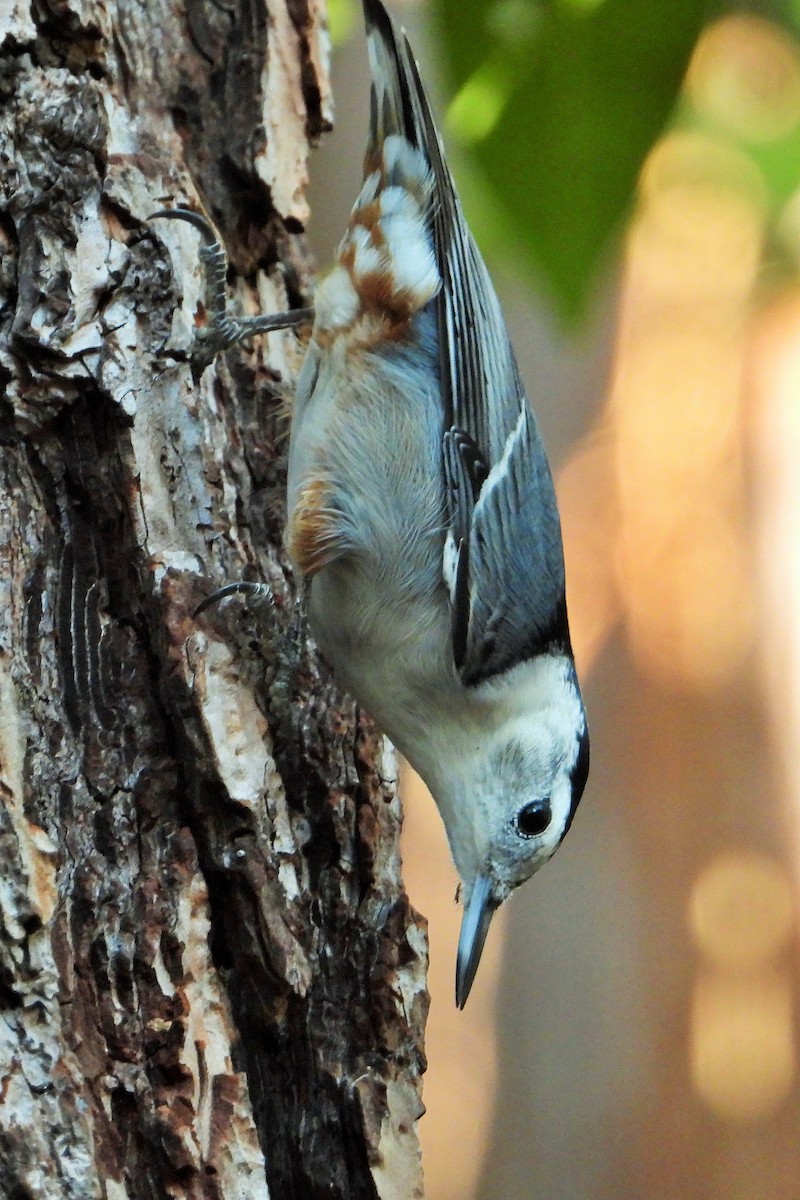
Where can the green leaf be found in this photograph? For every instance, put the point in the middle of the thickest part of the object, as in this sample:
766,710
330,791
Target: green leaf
556,106
343,20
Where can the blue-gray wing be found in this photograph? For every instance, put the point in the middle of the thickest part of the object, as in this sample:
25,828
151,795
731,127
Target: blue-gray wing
512,587
504,562
507,581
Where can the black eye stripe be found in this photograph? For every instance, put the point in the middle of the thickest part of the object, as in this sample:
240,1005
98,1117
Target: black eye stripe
532,819
579,775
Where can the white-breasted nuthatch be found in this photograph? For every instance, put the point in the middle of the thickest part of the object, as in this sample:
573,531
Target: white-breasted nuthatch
422,512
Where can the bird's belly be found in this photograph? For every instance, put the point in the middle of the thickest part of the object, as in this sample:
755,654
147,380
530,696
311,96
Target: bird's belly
389,644
367,521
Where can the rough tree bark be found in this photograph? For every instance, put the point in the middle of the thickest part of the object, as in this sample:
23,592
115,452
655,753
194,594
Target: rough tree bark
211,981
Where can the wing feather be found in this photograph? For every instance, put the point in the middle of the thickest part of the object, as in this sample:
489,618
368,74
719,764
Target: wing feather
507,588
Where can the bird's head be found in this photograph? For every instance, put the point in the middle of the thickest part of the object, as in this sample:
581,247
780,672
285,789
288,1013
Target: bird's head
515,796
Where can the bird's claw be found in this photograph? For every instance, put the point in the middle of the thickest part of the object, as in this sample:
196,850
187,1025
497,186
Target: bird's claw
223,329
261,593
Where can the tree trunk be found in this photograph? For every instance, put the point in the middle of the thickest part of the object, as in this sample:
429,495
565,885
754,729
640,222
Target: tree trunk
211,981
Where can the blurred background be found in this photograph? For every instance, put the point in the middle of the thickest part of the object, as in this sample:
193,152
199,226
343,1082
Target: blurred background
632,1032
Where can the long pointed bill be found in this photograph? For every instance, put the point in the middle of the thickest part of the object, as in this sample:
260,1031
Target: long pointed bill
474,927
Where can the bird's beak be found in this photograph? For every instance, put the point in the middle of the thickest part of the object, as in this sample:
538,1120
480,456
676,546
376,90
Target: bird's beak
474,927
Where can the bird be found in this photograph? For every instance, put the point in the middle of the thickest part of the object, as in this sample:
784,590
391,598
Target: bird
422,514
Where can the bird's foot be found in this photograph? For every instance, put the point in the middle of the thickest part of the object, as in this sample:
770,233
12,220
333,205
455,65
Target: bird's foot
224,329
259,593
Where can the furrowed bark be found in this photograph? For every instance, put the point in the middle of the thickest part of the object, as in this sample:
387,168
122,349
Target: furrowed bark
211,982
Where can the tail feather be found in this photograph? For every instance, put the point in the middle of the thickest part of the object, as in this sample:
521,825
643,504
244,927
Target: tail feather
388,251
398,103
394,101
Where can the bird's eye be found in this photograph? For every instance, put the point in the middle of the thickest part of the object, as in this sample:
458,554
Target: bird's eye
533,818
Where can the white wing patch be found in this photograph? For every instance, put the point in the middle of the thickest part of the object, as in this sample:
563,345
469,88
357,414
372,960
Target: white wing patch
450,564
499,471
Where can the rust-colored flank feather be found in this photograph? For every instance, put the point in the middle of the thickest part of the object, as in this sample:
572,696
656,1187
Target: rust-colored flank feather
314,536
